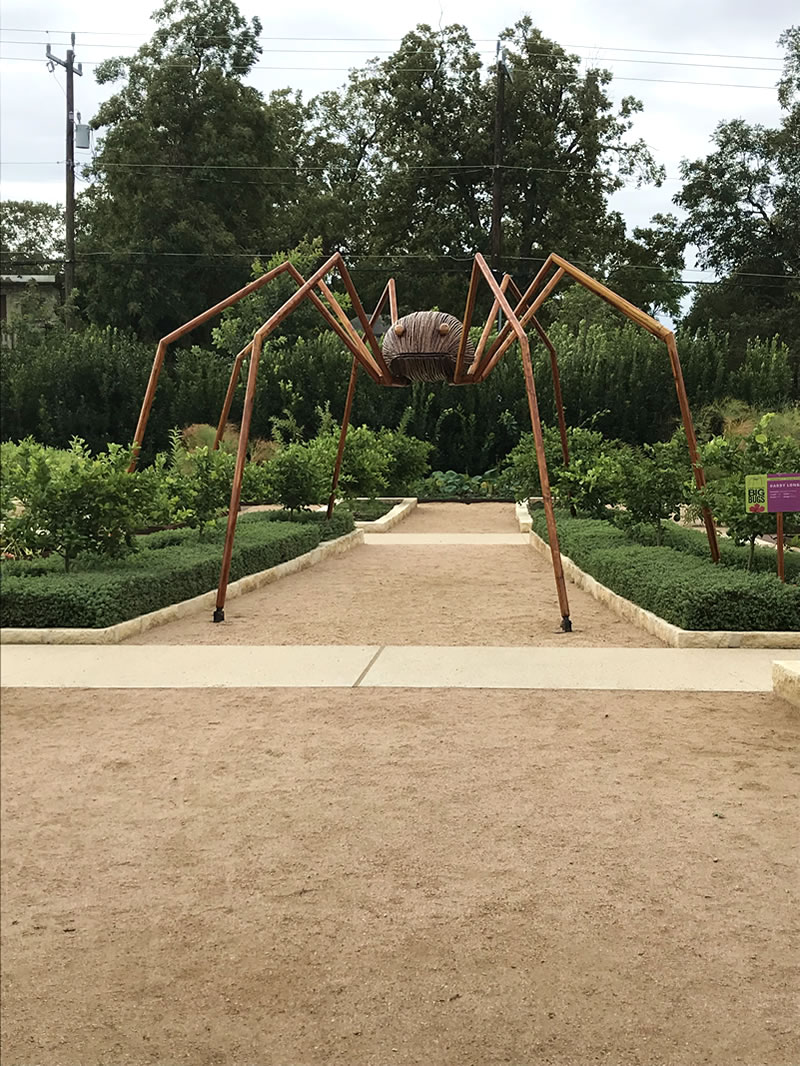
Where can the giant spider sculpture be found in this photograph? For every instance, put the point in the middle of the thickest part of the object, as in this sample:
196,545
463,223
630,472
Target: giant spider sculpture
423,346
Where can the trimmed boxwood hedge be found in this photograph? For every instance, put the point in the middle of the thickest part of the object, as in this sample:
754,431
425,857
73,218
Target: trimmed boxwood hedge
341,521
169,566
695,542
682,588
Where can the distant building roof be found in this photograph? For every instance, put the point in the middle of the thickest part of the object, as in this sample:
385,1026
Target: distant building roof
23,279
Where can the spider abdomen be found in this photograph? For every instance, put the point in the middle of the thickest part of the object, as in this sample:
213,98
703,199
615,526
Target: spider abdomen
423,346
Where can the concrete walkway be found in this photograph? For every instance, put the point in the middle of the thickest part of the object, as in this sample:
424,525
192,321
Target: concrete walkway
484,539
345,666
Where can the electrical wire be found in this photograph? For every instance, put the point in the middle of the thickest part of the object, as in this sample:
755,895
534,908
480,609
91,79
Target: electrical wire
433,70
425,258
529,55
478,40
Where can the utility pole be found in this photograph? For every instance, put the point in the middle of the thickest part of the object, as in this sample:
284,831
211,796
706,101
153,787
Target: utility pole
69,250
496,240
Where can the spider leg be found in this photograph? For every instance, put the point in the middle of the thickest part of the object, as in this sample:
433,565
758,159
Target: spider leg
389,291
640,318
505,337
487,329
479,268
226,406
372,361
187,327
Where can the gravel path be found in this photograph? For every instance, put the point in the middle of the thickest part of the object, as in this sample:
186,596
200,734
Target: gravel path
366,877
416,594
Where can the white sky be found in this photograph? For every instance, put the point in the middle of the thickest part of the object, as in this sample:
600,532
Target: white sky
677,119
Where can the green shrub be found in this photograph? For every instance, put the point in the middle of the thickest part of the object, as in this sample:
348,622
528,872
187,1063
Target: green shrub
197,483
366,510
695,542
651,484
71,504
169,567
588,483
686,590
444,484
297,477
407,460
340,522
728,459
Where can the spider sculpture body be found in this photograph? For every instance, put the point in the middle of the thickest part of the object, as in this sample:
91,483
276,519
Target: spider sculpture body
423,346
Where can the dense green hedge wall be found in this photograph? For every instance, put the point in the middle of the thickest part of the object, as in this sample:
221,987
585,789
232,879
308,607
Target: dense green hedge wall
682,588
170,566
90,383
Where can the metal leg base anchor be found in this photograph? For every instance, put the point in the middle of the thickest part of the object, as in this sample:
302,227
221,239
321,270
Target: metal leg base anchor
219,614
566,625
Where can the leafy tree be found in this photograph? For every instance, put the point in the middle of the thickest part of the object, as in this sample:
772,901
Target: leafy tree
297,477
75,503
405,153
743,214
31,237
729,458
162,234
651,483
240,321
567,150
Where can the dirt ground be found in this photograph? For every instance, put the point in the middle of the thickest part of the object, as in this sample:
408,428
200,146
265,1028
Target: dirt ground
460,518
366,877
416,594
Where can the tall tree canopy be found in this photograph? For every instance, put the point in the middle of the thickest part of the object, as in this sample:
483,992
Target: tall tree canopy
31,237
405,155
162,231
196,169
743,214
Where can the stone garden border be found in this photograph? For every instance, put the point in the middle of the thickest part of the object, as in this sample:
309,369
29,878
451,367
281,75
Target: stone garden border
672,635
786,681
402,509
134,626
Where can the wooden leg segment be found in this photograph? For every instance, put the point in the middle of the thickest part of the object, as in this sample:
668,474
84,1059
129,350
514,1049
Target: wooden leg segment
226,407
517,332
562,423
236,492
348,405
541,461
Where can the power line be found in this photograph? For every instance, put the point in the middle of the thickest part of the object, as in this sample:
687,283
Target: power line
432,70
308,170
424,51
393,257
478,40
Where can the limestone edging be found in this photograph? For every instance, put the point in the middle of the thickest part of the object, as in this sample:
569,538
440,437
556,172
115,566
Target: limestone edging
672,635
134,626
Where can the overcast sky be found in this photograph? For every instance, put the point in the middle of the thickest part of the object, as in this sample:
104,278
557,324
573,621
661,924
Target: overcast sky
692,62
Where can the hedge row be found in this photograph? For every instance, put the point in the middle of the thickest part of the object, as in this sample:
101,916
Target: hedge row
695,542
168,567
687,590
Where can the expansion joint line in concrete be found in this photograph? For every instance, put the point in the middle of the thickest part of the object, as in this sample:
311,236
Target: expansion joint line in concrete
368,667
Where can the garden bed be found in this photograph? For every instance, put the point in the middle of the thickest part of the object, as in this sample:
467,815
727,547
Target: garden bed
684,589
168,568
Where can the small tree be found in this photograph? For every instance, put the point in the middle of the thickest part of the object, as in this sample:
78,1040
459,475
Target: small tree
75,503
198,483
728,459
651,484
297,478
